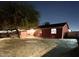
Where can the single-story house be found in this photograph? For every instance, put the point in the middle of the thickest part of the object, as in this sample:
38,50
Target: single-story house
47,31
54,30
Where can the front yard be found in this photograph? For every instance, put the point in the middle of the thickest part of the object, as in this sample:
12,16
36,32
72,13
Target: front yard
27,48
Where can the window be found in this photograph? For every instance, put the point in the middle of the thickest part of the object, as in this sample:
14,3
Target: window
53,31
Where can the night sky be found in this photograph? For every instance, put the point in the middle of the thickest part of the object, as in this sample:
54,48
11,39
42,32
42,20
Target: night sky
57,12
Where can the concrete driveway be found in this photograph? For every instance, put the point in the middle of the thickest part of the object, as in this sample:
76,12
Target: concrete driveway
64,45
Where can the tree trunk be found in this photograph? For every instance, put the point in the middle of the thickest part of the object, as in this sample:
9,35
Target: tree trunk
8,34
17,31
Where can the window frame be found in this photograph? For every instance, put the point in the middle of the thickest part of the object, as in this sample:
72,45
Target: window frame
53,31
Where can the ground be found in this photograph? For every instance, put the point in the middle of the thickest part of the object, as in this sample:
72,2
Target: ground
27,48
35,47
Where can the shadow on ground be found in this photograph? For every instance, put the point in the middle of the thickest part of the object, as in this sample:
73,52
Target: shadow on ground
72,53
55,52
62,51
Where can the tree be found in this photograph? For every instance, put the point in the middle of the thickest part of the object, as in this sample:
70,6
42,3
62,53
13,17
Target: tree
14,15
46,23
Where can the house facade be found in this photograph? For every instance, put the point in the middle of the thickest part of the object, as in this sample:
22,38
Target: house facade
47,31
54,30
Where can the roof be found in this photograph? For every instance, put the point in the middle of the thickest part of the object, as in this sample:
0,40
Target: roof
53,25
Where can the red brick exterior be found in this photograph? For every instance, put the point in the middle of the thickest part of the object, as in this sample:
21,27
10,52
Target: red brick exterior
46,32
59,32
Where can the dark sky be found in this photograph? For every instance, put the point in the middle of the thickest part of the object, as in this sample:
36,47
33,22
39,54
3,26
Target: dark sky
56,12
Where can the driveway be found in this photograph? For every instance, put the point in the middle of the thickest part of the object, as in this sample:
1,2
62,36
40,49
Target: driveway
64,46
